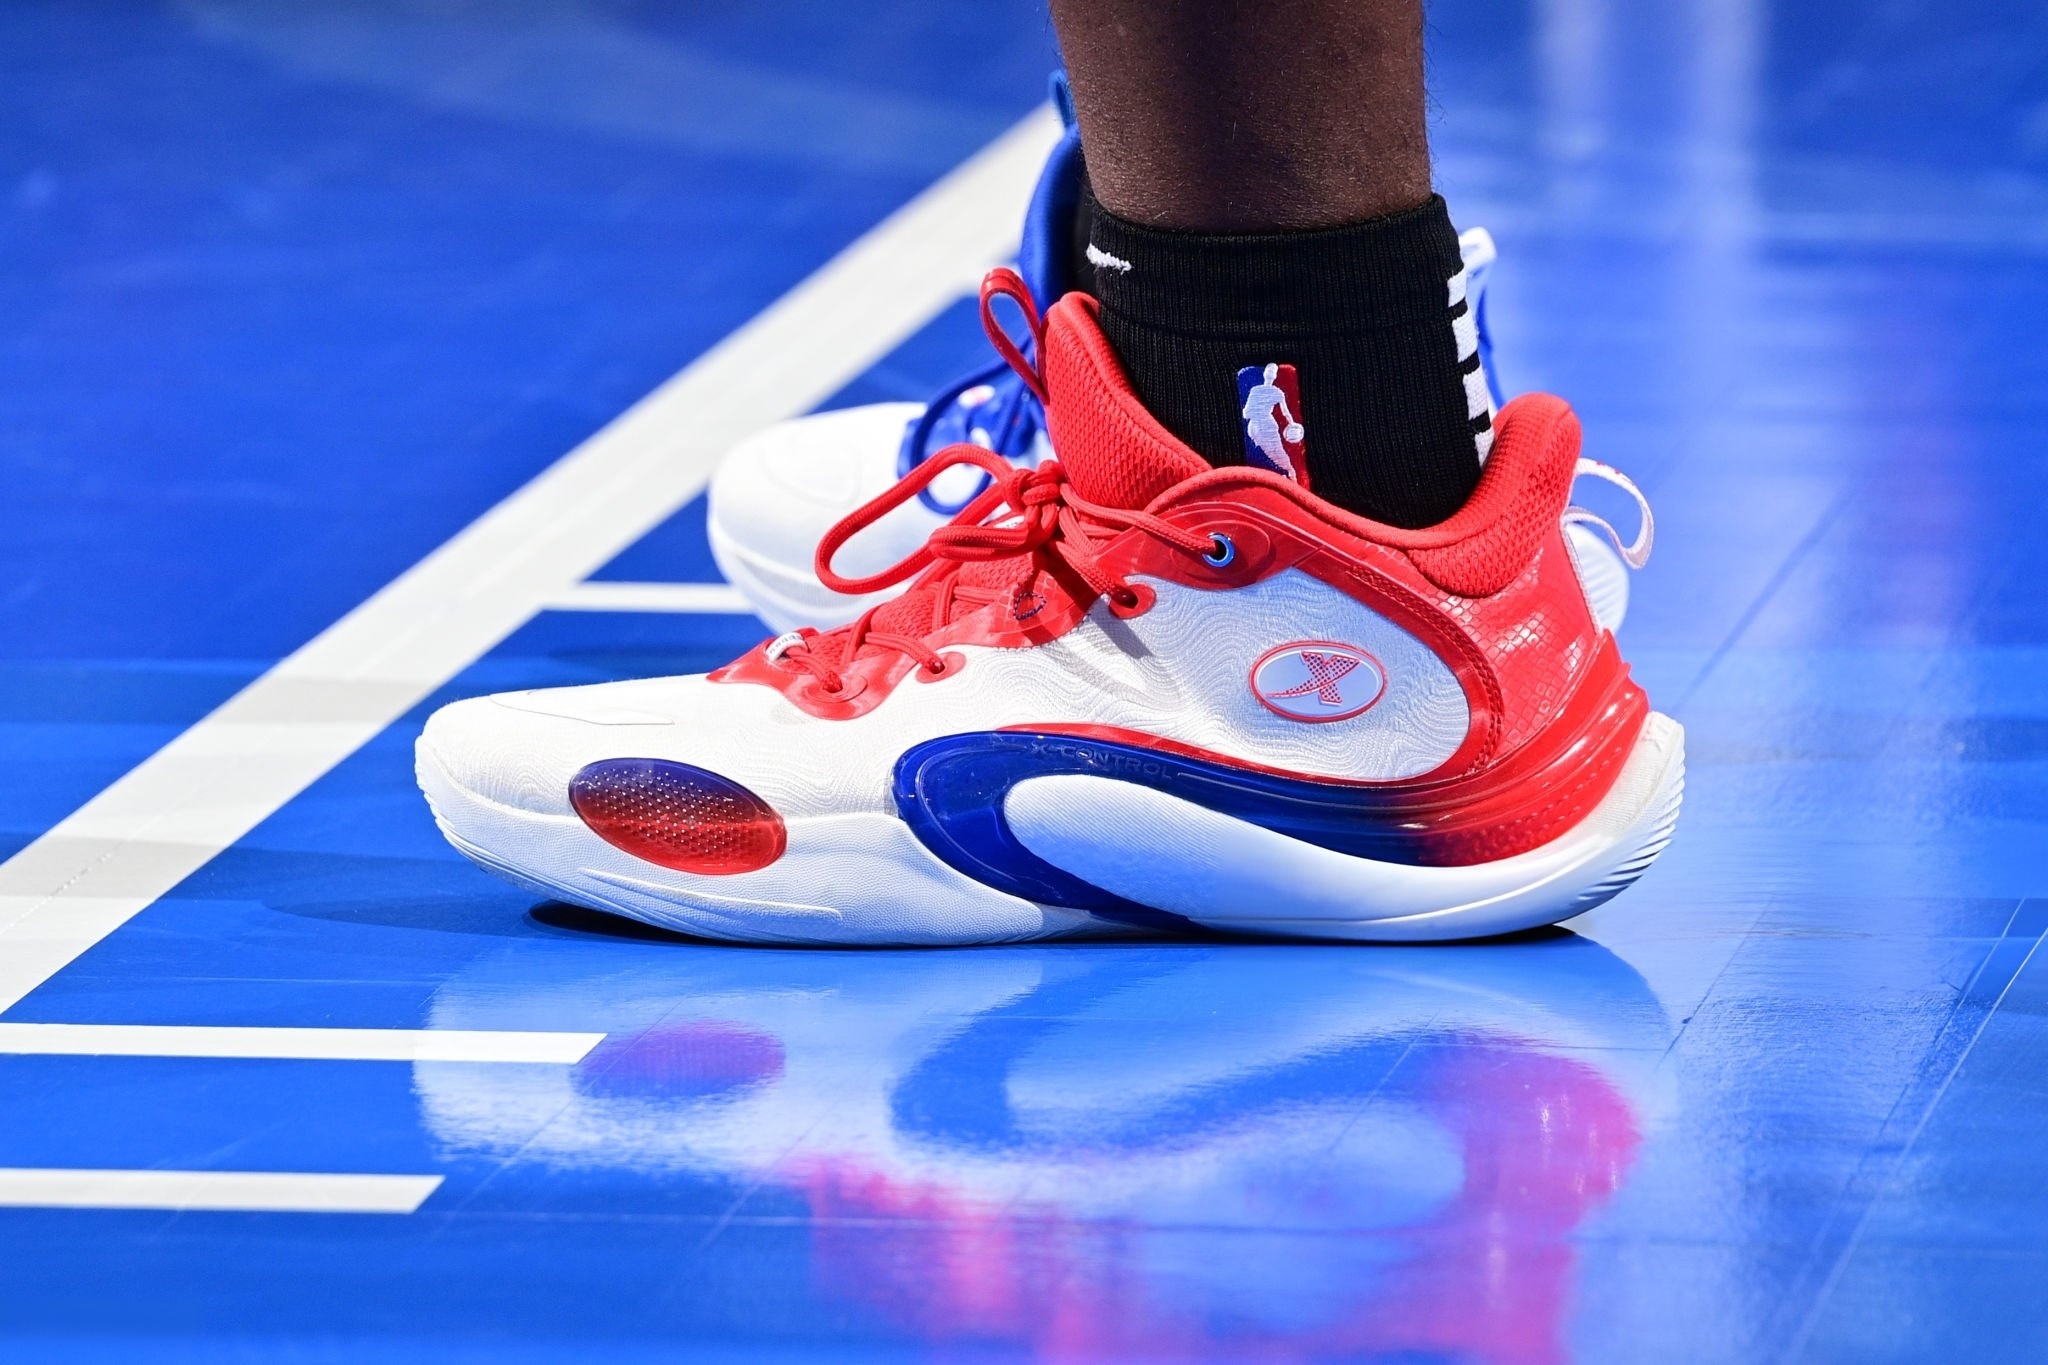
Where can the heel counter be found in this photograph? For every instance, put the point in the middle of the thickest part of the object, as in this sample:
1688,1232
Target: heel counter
1538,637
1547,785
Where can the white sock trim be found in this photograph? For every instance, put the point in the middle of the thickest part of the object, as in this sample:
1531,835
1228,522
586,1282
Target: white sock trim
1102,260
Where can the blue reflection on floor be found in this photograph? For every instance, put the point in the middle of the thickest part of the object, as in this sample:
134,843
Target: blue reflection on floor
290,293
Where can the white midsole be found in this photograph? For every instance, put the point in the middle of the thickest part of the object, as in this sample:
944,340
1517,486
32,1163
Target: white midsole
857,878
863,877
1159,850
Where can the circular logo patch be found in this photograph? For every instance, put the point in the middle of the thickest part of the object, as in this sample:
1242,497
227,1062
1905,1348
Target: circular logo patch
1317,680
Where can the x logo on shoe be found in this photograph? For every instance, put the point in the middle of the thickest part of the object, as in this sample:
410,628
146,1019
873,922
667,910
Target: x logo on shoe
1317,680
1324,671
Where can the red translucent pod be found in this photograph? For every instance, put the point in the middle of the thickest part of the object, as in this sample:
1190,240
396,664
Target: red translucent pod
677,816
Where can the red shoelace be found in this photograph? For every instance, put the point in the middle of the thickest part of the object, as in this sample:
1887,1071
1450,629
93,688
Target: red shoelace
1042,524
1031,515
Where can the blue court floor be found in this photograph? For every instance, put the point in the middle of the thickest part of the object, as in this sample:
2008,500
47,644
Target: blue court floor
292,294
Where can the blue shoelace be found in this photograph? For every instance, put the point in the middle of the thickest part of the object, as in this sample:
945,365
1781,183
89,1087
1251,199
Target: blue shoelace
1007,421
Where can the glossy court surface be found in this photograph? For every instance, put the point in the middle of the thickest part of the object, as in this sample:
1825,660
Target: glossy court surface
292,294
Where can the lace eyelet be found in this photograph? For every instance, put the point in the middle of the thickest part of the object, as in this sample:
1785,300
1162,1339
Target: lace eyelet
1134,599
850,686
950,663
1222,551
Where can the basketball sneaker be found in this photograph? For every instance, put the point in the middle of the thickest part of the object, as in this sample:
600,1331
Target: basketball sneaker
775,495
1124,689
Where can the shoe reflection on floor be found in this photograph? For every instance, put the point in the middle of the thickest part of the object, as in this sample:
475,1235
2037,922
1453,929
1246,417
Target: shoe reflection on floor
1170,1150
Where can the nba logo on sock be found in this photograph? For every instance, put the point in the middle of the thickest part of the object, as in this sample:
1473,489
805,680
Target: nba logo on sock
1269,398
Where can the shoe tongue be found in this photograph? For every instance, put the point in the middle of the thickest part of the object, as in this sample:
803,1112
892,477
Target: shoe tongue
1114,452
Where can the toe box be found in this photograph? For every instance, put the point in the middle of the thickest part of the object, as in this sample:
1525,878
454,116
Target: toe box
522,750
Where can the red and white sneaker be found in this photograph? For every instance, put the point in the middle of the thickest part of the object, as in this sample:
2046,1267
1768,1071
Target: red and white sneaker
1124,689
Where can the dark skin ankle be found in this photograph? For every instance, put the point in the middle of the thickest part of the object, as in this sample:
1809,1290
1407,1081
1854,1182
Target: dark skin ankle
1230,116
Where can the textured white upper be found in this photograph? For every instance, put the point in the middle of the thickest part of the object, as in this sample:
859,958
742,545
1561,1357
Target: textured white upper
1179,671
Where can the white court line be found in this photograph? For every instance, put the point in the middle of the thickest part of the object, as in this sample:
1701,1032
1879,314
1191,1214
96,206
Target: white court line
296,1044
221,1191
709,599
154,827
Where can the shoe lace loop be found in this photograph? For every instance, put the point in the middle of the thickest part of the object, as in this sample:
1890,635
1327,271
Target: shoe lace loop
1635,553
1007,420
1032,516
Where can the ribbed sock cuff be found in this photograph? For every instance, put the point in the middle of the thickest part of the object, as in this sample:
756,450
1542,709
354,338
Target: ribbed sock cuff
1387,272
1360,316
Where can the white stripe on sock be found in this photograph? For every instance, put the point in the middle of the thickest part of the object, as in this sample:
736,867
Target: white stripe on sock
1102,260
1466,328
1477,399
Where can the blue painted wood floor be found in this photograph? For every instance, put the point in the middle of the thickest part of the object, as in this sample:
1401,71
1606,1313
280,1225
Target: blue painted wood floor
289,294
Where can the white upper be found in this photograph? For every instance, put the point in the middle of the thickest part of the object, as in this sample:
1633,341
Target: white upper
1180,671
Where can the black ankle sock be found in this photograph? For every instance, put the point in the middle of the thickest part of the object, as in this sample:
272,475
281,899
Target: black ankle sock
1377,411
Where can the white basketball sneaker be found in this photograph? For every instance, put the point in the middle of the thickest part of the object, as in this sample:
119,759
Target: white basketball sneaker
774,496
1124,689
